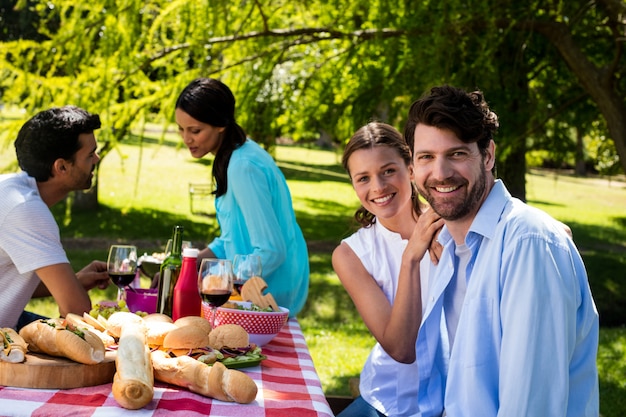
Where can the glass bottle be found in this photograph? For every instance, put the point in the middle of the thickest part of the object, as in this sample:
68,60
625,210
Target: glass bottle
187,301
170,270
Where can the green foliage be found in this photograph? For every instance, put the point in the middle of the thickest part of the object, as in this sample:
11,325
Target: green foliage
602,152
304,68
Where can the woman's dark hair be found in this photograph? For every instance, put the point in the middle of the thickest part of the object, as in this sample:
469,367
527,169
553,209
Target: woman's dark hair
372,135
465,114
49,135
211,101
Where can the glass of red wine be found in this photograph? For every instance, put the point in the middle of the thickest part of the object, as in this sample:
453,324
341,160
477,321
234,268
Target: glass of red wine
215,283
246,267
122,265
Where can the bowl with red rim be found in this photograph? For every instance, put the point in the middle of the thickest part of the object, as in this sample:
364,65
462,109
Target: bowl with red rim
262,326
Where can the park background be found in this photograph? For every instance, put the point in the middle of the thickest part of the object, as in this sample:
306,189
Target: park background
306,75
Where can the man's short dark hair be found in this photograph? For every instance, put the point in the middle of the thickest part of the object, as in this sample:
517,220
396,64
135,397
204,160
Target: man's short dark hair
52,134
451,108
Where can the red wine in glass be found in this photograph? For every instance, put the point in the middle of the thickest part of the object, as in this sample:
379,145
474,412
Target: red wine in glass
120,279
121,266
215,283
238,283
216,298
245,267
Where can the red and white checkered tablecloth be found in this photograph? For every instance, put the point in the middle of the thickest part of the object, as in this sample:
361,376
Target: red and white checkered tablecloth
287,381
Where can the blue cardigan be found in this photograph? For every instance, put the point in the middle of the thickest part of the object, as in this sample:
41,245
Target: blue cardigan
256,217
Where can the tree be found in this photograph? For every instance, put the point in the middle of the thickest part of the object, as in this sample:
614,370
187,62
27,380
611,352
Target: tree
301,67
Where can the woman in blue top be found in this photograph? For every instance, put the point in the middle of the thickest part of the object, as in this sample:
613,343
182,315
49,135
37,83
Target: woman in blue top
252,200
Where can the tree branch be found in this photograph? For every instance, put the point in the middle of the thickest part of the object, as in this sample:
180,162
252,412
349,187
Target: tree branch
552,115
315,33
263,17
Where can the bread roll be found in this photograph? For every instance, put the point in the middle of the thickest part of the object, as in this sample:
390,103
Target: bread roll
157,317
229,335
214,382
118,319
133,383
156,332
197,321
185,338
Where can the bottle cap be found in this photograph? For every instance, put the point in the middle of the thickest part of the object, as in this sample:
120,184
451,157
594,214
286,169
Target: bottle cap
190,253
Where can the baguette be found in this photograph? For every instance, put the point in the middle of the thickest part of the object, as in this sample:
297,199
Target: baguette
14,347
237,385
80,345
57,337
210,381
78,321
41,337
133,383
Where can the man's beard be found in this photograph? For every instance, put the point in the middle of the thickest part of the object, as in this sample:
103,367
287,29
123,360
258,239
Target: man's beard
88,182
449,210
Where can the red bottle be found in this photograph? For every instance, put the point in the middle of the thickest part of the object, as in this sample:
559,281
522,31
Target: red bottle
187,301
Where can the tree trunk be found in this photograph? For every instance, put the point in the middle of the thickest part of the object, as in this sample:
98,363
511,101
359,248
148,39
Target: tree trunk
509,101
581,169
86,200
599,83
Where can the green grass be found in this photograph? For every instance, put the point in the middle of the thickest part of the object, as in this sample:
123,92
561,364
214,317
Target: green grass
143,191
596,211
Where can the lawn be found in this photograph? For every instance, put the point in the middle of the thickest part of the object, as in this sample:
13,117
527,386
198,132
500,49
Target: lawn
143,192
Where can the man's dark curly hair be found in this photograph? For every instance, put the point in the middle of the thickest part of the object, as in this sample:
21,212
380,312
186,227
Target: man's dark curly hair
465,114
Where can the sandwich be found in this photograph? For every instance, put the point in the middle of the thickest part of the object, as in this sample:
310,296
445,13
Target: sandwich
14,347
80,322
228,344
57,337
233,343
186,341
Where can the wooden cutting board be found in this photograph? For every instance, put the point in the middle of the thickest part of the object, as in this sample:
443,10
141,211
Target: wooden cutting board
48,372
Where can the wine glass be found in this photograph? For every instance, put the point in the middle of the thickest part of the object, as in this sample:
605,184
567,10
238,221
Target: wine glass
121,266
245,267
215,283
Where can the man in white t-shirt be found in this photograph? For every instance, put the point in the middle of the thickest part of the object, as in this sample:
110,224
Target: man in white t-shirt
56,150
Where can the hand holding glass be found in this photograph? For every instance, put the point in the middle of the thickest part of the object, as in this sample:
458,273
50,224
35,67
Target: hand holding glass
215,283
246,267
121,266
